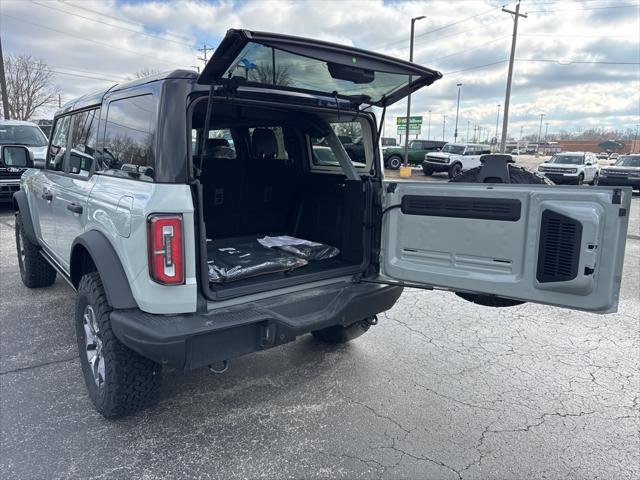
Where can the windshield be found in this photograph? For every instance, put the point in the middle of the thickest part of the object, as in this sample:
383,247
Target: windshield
628,161
270,66
457,149
568,159
28,135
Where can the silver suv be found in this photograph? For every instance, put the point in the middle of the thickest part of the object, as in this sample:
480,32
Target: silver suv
169,205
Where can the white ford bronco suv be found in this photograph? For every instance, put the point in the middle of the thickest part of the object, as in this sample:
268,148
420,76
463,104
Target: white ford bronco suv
163,201
454,158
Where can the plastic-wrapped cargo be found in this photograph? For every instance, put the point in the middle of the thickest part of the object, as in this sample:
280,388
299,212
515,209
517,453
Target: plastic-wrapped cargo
228,264
301,248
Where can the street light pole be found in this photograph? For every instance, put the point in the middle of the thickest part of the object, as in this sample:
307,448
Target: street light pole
429,130
468,124
444,122
497,120
455,132
406,131
540,130
546,131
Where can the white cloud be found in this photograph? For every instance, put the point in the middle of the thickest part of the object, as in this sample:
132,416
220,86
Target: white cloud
109,40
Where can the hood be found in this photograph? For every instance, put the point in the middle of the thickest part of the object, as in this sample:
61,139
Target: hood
614,168
442,154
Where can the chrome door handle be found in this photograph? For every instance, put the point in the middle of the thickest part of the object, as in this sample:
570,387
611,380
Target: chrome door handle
75,208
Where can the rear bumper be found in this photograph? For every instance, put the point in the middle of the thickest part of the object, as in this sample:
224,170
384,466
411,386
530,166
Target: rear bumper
619,181
194,340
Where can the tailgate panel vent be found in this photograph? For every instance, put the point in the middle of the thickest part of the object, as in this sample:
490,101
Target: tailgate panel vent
559,251
479,208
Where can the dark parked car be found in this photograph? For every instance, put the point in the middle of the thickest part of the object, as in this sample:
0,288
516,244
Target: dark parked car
389,142
393,157
625,172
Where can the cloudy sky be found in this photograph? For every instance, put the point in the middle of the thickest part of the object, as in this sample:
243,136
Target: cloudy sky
576,61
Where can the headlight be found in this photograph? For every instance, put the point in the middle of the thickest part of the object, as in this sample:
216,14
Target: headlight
634,174
572,170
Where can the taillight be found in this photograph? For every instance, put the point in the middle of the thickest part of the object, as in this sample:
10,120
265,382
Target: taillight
166,250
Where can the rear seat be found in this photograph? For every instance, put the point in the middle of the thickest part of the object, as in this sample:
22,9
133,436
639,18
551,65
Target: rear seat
222,175
268,188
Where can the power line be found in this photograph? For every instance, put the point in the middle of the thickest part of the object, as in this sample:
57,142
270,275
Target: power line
470,49
78,70
92,41
113,17
575,36
476,67
437,29
586,8
570,62
157,37
57,72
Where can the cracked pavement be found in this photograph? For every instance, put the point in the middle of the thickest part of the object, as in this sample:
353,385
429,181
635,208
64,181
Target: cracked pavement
440,389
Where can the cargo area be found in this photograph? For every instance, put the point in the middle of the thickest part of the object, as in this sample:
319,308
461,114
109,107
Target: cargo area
258,179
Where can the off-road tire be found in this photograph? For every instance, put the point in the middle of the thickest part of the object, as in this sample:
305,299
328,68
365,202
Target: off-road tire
131,381
34,269
427,171
338,334
517,175
394,162
455,170
581,179
596,179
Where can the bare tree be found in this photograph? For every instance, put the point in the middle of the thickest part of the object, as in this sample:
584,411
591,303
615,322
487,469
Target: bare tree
30,86
264,74
146,72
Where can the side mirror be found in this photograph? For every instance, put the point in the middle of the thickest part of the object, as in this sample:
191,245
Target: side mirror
17,156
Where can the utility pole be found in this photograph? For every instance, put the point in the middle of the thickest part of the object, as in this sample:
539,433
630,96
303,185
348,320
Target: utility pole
429,131
455,132
497,120
505,119
475,133
540,130
3,86
406,131
546,131
204,51
468,124
444,122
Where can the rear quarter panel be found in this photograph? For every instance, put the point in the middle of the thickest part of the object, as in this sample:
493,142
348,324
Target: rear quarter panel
119,209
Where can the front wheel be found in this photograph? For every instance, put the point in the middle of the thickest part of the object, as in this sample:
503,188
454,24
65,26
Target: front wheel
455,170
595,180
427,171
394,162
119,381
581,179
338,334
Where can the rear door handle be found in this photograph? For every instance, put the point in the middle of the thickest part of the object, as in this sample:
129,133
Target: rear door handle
75,208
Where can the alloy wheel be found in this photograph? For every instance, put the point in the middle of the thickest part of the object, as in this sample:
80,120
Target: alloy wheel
93,345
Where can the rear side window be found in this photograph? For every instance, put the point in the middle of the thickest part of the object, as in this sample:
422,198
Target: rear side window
129,138
58,148
84,135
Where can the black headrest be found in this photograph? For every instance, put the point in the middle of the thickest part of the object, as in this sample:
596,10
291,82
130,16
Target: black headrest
264,143
216,142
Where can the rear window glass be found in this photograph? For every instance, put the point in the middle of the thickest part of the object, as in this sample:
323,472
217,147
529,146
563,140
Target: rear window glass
28,135
323,155
268,66
129,138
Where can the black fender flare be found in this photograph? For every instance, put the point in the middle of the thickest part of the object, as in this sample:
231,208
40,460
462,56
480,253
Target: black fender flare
108,265
21,204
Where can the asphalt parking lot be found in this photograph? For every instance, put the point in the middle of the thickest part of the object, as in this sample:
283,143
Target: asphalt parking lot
441,388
